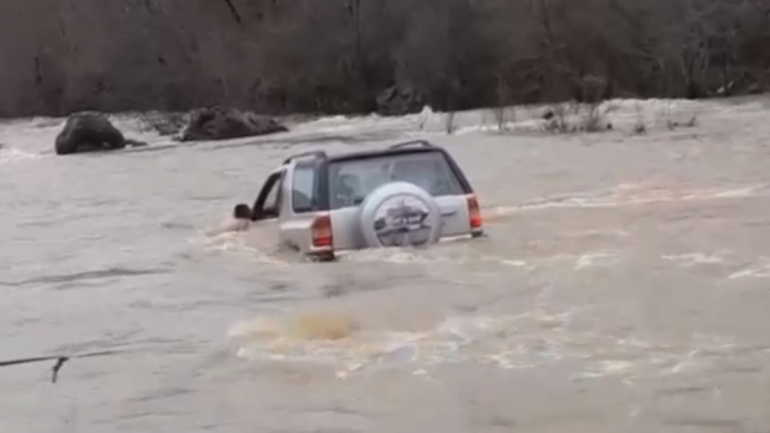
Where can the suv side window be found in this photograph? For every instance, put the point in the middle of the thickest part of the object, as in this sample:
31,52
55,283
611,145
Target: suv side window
268,203
272,204
303,188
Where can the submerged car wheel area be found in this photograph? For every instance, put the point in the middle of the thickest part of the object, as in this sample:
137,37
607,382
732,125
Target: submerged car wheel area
409,194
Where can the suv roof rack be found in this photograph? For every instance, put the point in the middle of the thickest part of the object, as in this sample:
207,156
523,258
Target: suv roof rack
423,143
318,153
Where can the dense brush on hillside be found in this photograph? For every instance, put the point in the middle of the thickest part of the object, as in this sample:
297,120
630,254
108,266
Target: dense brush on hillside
280,56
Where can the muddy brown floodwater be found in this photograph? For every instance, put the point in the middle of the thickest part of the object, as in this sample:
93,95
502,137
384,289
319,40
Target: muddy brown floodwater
624,287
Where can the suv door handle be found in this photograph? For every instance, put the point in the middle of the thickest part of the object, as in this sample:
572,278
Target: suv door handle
448,212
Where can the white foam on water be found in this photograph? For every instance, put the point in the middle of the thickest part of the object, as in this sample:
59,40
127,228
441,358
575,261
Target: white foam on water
759,269
596,259
437,256
9,155
510,342
237,243
619,197
363,350
623,114
516,263
693,259
391,255
330,124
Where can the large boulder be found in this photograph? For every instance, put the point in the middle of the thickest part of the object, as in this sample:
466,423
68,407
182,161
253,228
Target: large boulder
90,132
223,123
399,100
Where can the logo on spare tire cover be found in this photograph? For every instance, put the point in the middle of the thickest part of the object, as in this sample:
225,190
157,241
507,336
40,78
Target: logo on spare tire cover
401,220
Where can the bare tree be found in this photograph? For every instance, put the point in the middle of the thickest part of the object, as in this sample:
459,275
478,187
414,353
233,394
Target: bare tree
340,55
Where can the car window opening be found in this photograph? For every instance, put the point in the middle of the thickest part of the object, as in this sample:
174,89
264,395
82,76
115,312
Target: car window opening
353,180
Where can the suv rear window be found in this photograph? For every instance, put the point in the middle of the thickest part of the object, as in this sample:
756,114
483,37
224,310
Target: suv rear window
351,181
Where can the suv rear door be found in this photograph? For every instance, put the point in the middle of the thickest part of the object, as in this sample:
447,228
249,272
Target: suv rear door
436,173
430,168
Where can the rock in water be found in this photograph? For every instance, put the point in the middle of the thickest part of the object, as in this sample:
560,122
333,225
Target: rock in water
222,123
134,143
90,132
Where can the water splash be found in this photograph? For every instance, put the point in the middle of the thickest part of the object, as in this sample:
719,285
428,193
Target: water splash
520,341
10,155
626,195
759,269
596,259
240,245
693,259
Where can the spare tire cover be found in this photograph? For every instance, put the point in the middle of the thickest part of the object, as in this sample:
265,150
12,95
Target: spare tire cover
400,214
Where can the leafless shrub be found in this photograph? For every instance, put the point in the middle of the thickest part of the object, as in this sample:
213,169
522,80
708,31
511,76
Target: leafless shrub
668,116
693,121
595,120
499,114
449,123
425,116
504,116
663,115
503,113
640,127
163,123
572,117
557,118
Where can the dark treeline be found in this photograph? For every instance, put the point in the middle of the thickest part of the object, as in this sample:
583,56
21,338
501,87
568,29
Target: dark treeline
280,56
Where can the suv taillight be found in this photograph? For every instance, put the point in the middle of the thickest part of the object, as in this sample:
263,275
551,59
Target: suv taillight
475,212
322,231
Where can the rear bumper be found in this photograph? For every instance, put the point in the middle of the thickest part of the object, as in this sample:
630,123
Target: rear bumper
329,255
322,256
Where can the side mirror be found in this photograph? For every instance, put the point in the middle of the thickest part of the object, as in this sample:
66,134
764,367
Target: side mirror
241,211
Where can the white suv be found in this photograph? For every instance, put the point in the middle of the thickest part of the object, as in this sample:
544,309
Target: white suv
411,193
